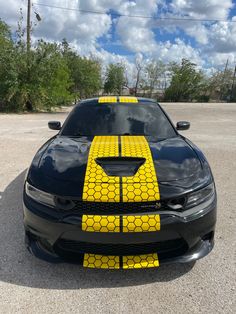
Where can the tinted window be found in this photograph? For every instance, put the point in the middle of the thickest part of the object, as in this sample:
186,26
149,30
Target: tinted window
92,118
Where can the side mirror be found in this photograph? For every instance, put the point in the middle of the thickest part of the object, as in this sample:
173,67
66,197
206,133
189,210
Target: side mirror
182,125
54,125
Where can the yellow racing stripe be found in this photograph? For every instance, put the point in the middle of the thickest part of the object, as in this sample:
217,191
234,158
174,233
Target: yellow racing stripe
98,186
143,186
140,261
130,223
97,223
101,261
114,262
144,223
107,99
128,99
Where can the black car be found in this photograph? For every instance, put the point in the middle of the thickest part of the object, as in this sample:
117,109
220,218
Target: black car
119,187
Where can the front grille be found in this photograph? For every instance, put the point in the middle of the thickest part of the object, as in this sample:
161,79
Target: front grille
116,208
166,249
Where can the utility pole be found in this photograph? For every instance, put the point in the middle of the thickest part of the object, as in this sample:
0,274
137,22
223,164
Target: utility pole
28,47
28,104
28,27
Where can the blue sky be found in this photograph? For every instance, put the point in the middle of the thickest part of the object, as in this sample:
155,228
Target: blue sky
124,39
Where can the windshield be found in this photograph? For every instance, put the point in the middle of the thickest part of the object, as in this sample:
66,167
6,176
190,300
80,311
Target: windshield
93,118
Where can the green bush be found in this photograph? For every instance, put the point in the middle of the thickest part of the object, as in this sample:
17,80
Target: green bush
47,77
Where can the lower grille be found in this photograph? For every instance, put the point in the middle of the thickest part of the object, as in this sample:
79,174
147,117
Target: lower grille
166,249
116,208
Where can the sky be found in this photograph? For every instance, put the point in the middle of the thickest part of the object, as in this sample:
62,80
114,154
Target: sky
116,37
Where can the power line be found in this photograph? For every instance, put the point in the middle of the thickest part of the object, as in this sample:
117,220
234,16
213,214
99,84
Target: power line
131,16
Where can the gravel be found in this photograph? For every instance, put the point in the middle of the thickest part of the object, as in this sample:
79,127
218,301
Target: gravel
28,285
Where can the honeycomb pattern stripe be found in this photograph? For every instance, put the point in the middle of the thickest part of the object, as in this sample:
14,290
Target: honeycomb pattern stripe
144,223
113,262
128,99
140,261
96,223
107,99
101,261
143,186
98,187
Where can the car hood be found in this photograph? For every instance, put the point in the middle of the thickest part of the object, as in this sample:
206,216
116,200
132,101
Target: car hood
61,165
66,159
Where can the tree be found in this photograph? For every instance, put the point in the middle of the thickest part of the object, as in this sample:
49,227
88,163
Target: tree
85,73
186,82
5,34
155,71
50,75
220,84
139,69
8,62
87,77
53,80
40,80
115,79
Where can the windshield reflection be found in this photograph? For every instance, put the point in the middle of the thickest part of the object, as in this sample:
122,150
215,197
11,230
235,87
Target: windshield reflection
90,119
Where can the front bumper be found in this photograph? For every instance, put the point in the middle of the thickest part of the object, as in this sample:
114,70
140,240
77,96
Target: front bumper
58,237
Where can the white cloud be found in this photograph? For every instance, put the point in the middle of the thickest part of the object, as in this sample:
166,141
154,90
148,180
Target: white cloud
201,9
73,25
198,31
215,42
209,9
170,52
194,29
222,37
136,33
218,60
10,11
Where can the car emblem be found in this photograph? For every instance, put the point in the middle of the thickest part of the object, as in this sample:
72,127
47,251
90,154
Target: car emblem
158,205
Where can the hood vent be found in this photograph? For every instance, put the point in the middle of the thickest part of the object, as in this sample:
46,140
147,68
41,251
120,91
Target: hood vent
120,166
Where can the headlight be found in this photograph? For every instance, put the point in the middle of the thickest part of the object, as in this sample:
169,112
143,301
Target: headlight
201,196
194,203
39,196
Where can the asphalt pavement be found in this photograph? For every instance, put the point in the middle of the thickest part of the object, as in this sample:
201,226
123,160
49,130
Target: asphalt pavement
28,285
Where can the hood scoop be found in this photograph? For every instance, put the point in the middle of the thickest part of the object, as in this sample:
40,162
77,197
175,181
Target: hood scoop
120,166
